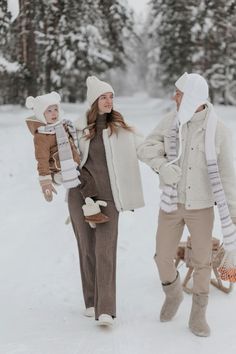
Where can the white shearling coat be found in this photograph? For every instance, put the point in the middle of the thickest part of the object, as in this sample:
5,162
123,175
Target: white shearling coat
122,162
198,188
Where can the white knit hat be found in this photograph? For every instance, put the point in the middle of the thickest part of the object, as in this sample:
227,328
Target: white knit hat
195,90
96,88
39,104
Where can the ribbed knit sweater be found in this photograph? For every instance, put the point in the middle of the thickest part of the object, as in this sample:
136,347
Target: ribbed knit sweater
96,163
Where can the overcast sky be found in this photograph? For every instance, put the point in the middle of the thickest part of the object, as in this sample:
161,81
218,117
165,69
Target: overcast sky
138,5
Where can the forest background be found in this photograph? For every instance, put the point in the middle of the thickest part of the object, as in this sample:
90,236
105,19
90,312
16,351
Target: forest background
56,44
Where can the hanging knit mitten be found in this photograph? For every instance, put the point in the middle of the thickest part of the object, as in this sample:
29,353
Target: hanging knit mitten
92,211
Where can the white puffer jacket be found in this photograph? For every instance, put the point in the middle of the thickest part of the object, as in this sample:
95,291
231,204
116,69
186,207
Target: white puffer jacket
122,162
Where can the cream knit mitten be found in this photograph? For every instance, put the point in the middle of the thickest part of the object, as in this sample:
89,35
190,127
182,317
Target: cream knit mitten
92,211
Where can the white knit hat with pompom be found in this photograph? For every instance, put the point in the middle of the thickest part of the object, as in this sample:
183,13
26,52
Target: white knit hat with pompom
96,88
39,104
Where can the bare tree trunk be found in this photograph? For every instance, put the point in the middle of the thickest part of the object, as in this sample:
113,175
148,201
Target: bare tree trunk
27,45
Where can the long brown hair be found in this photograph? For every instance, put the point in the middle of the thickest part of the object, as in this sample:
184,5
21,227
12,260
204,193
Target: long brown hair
114,121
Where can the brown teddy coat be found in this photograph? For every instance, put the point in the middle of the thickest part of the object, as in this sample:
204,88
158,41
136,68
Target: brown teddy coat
46,149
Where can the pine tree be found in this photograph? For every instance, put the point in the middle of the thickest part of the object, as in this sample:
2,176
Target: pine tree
88,38
26,47
215,38
60,42
150,37
118,28
194,36
48,40
87,50
174,32
8,69
5,18
222,58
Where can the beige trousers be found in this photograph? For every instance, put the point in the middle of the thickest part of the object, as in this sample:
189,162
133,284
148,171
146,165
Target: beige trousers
170,228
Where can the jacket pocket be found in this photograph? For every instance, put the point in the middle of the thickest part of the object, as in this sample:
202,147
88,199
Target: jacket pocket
202,153
200,159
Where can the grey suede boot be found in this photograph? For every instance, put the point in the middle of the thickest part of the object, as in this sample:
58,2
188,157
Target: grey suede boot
174,297
197,322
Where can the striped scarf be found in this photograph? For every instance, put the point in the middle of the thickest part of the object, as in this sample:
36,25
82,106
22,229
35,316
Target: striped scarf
169,194
227,268
228,228
68,166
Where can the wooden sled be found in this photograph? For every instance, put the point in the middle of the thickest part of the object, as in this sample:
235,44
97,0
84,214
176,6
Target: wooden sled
184,255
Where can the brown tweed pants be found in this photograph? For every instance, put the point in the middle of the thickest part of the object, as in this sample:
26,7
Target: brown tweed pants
97,254
170,228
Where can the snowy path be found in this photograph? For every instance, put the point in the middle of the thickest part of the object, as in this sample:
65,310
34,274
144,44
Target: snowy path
41,301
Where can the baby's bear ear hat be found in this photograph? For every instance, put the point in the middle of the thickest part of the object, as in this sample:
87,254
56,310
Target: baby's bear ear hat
29,103
39,104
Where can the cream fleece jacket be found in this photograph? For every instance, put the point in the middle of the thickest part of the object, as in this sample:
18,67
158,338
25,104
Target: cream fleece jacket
194,189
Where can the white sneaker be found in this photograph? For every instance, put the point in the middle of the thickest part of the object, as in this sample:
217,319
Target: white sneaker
105,320
89,312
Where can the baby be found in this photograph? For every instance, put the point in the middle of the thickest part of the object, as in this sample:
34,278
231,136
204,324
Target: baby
56,151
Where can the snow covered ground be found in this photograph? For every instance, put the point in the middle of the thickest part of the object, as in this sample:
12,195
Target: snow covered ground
41,304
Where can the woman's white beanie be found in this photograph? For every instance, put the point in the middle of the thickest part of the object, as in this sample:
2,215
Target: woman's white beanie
39,104
96,88
196,92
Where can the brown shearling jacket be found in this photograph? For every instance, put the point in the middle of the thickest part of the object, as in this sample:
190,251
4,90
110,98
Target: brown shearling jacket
46,149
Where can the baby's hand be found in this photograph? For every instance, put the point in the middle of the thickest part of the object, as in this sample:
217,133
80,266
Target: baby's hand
48,189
